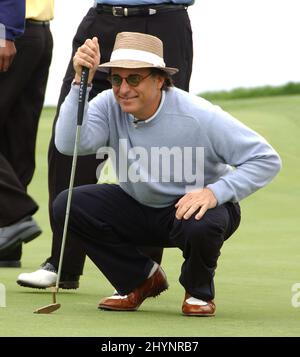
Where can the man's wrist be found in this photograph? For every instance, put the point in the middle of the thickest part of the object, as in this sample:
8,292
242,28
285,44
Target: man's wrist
77,83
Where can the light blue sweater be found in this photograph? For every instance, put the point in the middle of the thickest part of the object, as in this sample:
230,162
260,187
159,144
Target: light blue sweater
237,160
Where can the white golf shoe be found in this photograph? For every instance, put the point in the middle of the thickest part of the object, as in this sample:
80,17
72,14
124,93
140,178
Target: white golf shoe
45,277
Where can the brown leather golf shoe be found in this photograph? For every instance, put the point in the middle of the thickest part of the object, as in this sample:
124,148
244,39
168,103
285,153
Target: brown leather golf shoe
197,308
151,287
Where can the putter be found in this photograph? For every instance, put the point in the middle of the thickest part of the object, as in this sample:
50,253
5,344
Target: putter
81,101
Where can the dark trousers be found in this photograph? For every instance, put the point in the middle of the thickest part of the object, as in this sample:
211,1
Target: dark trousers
14,201
22,90
174,29
110,225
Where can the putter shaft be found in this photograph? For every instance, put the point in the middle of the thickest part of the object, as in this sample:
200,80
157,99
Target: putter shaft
82,94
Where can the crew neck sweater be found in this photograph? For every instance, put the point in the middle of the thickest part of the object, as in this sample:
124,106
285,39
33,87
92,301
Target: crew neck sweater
185,134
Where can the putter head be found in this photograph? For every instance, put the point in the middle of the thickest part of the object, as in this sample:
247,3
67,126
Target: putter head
51,307
47,309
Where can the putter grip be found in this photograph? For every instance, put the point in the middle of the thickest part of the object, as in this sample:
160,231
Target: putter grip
82,94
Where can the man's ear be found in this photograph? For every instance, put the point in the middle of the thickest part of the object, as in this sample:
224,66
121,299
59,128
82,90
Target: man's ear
160,81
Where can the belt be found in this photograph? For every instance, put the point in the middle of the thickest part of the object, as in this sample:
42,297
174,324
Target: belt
36,22
137,10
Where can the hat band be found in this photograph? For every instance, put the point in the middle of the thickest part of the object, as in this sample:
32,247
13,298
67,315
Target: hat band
137,55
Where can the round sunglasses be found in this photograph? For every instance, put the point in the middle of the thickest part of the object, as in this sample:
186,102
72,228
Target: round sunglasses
133,79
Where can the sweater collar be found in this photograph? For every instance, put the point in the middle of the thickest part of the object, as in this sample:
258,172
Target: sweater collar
137,122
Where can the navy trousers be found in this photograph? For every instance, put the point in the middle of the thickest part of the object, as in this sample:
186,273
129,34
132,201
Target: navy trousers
110,225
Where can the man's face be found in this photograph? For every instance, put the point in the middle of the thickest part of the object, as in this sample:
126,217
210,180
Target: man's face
143,100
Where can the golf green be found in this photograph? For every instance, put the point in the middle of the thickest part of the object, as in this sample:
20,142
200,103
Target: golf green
256,272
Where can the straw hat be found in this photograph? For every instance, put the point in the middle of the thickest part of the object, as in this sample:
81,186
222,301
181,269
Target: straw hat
137,50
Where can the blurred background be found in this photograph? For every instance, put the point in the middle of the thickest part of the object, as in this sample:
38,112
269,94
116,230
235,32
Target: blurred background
237,43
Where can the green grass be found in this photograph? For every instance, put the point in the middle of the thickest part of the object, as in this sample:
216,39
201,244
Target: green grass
290,88
256,271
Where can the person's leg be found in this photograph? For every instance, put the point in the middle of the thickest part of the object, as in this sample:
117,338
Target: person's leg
15,205
201,242
174,29
105,27
20,130
21,102
58,163
109,225
59,168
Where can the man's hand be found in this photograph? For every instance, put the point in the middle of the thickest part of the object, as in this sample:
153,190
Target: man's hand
202,200
7,54
87,55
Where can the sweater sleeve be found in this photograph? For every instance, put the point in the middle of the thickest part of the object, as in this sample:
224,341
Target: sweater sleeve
255,163
12,16
94,129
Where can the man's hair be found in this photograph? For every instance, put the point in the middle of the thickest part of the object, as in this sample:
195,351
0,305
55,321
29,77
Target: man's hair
168,83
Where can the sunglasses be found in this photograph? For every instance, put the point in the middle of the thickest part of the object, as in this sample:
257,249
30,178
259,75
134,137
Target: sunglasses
133,79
